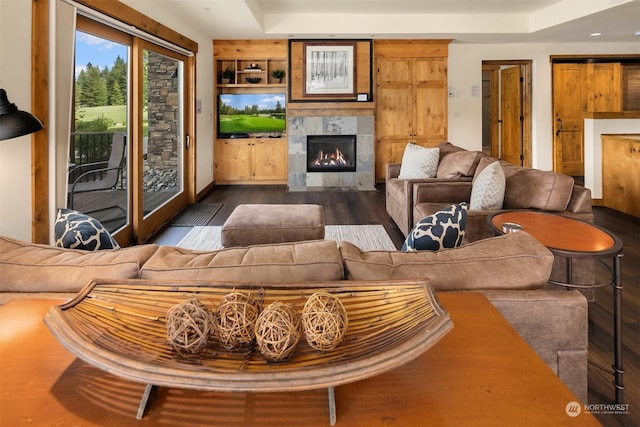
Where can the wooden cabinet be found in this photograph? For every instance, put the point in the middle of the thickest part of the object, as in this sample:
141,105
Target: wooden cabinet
621,173
411,97
251,161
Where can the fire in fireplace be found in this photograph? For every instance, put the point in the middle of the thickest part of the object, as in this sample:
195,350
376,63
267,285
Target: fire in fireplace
331,153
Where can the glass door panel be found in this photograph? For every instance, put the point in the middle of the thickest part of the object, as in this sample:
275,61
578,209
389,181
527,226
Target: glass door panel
98,145
162,130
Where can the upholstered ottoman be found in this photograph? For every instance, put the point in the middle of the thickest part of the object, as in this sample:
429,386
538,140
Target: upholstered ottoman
254,224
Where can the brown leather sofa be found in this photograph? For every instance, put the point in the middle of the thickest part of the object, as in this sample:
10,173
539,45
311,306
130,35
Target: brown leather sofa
511,270
526,188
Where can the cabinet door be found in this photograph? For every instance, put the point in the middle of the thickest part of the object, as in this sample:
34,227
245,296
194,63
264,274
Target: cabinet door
394,111
232,160
430,99
270,159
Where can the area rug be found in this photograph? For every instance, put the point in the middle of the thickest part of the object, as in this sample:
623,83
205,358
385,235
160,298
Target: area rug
198,214
366,237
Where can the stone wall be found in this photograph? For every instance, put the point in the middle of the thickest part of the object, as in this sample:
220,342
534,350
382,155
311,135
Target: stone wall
298,127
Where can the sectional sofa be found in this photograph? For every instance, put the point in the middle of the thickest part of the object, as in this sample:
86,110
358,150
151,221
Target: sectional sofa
511,270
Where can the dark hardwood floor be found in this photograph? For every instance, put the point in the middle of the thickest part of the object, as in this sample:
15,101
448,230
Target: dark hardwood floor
368,207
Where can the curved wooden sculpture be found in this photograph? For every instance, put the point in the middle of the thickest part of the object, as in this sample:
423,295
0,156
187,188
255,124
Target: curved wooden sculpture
120,326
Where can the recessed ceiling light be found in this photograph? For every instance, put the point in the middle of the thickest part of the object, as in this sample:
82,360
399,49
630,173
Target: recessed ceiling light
637,33
595,34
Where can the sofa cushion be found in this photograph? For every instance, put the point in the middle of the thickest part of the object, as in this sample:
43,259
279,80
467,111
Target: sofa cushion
443,229
30,267
528,188
286,262
458,164
75,230
510,261
487,191
419,162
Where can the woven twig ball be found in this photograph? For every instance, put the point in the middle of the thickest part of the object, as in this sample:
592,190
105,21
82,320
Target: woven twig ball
324,321
236,320
189,326
278,331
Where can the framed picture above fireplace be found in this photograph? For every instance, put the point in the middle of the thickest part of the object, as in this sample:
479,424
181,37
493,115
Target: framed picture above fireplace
329,68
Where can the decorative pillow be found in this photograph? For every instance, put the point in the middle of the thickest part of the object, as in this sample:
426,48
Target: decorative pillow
419,162
443,229
75,230
488,188
458,164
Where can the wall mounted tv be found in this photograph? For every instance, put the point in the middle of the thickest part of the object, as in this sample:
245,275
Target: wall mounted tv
251,114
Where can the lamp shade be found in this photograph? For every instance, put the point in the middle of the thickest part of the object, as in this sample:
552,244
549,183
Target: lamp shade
14,122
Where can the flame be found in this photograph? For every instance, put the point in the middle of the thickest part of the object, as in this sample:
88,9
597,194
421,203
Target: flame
335,158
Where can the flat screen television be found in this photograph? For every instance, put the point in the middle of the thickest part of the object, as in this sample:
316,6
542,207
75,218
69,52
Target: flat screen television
251,114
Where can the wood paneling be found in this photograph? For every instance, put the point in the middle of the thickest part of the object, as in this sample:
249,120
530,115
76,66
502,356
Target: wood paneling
604,83
411,97
621,173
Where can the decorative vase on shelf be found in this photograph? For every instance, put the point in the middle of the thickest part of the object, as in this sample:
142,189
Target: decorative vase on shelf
278,75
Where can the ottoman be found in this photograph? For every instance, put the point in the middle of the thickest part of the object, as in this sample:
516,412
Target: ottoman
254,224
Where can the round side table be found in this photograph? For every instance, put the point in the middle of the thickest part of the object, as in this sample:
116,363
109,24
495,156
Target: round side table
572,239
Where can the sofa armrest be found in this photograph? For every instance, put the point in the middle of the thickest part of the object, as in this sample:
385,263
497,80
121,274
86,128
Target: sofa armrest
393,170
454,190
555,325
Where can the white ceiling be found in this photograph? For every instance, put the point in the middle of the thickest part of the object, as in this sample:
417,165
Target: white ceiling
466,21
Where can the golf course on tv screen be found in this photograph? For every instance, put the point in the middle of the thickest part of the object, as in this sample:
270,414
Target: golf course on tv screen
240,114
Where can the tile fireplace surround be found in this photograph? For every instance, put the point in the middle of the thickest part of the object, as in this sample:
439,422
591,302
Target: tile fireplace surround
297,130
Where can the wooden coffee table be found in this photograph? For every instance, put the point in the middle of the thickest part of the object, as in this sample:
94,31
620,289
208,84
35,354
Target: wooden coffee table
482,373
572,238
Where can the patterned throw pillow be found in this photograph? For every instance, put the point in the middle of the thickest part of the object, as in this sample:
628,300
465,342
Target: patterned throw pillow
419,162
488,188
75,230
443,229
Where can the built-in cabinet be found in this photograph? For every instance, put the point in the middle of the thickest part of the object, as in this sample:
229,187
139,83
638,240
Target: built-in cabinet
621,173
251,160
258,159
411,97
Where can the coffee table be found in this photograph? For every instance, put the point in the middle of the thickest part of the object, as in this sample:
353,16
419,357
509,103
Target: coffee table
482,373
572,238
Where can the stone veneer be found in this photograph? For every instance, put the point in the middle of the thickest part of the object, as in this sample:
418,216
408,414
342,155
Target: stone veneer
297,130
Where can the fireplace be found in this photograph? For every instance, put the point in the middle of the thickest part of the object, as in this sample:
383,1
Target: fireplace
331,153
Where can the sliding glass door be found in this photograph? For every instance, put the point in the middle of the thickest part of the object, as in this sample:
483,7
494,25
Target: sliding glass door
126,158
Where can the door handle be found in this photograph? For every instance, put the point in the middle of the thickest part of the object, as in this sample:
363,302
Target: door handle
559,127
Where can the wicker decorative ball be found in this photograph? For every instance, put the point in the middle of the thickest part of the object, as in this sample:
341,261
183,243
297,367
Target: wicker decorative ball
189,326
278,331
236,319
324,321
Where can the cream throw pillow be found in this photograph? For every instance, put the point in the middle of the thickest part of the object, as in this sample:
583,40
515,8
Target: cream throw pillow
419,162
488,188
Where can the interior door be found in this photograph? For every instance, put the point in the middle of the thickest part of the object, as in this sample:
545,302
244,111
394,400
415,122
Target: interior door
430,77
511,114
569,105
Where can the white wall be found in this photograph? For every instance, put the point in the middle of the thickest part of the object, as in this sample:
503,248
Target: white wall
465,70
15,154
15,69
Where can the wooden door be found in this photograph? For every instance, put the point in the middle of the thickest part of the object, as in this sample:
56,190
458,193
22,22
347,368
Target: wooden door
569,106
511,113
232,160
269,159
394,111
430,95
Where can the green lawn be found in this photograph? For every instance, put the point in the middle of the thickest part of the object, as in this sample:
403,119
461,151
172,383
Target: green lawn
117,113
247,123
